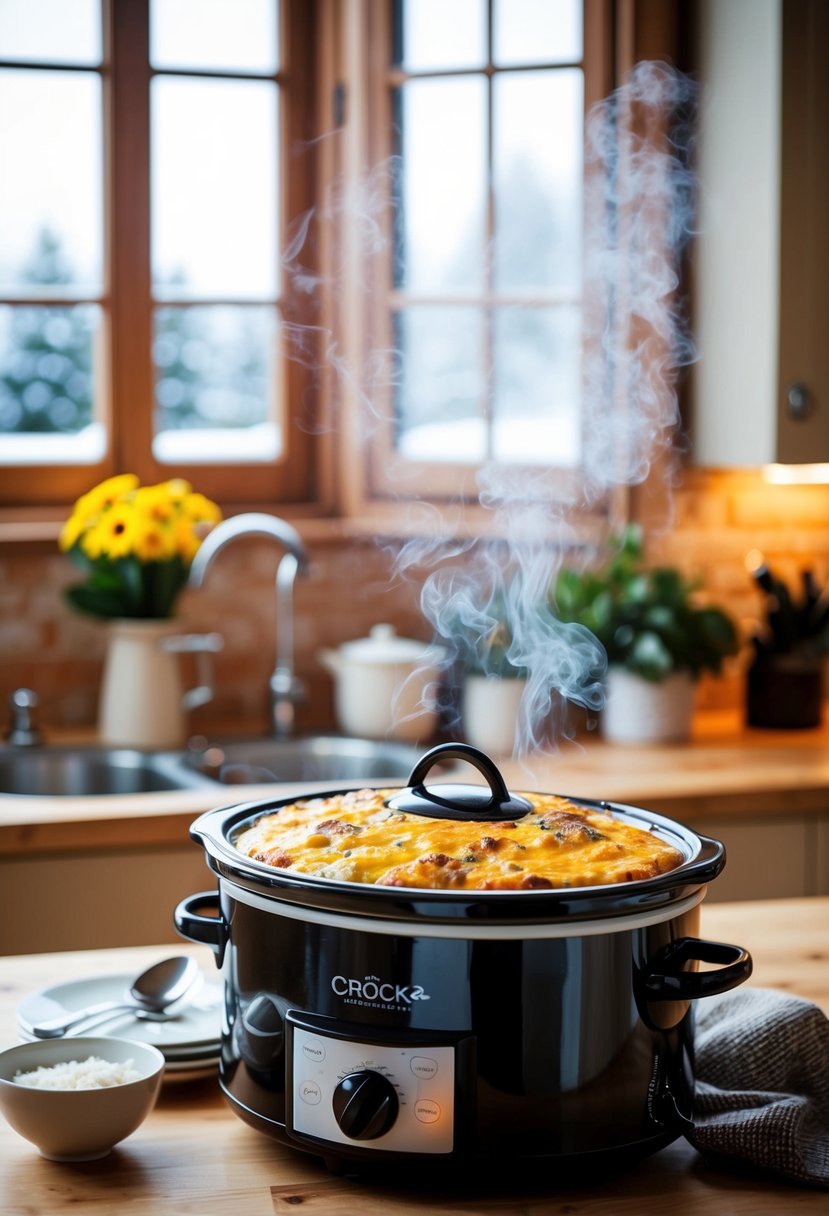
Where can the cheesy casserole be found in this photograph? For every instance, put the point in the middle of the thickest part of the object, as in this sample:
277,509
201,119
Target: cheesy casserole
354,837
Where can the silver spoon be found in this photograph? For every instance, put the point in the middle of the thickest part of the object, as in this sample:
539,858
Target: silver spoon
151,992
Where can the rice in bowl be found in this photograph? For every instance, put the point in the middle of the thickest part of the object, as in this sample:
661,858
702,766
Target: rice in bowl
91,1073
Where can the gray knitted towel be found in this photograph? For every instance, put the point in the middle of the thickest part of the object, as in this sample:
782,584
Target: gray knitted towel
762,1065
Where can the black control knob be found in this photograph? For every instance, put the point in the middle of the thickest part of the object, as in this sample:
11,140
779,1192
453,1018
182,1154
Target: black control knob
365,1105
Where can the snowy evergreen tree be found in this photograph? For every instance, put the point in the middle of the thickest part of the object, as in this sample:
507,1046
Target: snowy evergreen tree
46,366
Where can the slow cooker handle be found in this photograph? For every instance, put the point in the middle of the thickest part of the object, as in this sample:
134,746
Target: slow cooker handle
205,930
465,802
667,981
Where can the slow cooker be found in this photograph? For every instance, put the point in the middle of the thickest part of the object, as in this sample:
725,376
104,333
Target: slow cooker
396,1026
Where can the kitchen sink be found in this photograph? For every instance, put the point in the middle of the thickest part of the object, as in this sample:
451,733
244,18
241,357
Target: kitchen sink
81,771
94,770
332,758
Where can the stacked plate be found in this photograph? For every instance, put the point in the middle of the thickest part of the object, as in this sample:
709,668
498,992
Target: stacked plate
188,1038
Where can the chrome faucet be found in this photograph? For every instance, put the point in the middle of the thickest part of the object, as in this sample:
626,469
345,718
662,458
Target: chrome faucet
284,689
23,730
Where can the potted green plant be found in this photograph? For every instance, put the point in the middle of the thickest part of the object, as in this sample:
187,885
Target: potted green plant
658,639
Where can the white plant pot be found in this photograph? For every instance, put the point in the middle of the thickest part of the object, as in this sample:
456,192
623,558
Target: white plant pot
641,711
490,713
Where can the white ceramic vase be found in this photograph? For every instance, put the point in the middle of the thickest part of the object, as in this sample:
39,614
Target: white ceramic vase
490,713
643,711
141,695
141,703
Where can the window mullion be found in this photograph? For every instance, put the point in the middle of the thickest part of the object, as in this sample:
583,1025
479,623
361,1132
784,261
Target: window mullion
489,260
128,234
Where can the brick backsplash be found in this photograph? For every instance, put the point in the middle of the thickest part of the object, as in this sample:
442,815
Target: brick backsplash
717,519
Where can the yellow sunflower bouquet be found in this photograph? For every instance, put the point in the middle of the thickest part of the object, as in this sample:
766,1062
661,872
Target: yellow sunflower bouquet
136,544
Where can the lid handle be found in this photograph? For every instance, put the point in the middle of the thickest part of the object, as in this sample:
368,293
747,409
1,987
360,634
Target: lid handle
467,802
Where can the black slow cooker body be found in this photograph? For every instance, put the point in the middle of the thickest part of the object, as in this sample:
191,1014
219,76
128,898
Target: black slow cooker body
380,1027
516,1048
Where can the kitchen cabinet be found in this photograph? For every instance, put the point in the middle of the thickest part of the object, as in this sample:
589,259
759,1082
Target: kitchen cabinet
776,857
121,897
761,264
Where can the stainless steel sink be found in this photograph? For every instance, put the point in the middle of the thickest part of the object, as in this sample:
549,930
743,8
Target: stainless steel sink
332,758
81,771
87,771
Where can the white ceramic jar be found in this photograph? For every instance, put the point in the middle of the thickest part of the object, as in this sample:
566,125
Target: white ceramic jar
386,686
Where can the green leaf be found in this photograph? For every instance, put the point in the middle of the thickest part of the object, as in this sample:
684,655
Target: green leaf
632,541
649,657
716,638
77,556
569,594
164,585
639,590
668,586
97,601
662,618
129,573
602,613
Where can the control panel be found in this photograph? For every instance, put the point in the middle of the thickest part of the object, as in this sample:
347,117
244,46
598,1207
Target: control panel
392,1096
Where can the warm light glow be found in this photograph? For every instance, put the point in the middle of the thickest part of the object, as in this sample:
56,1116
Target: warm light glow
753,560
796,474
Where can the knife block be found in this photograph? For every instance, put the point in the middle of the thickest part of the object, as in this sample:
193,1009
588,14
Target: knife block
785,692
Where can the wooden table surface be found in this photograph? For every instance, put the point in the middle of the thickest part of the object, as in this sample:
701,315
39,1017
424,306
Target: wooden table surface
193,1155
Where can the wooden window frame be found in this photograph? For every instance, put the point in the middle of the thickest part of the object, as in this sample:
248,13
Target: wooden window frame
128,389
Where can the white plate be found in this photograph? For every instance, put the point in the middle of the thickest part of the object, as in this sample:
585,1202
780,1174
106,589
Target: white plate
192,1036
196,1071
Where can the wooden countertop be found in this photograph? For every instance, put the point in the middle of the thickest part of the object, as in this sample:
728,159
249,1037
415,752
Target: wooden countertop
193,1155
725,769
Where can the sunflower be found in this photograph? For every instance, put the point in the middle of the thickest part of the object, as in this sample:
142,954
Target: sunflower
200,509
187,539
91,506
114,535
105,495
160,503
155,540
75,526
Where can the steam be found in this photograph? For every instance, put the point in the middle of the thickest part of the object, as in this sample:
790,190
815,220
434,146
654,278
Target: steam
639,210
357,208
638,218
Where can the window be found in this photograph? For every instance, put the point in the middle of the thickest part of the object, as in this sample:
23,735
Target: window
487,281
144,199
214,223
149,305
477,110
52,317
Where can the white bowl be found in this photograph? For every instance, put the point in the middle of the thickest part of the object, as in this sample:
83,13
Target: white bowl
78,1124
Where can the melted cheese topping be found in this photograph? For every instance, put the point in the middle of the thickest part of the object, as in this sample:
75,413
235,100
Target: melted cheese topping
355,838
